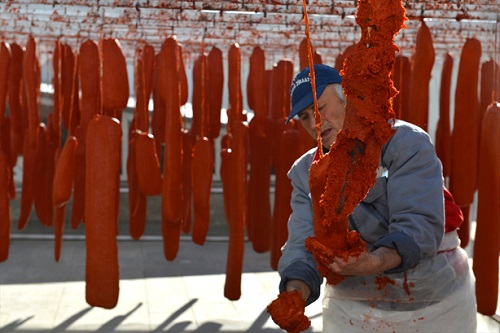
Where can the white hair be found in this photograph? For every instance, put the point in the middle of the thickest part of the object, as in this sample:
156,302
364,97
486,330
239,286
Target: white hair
339,91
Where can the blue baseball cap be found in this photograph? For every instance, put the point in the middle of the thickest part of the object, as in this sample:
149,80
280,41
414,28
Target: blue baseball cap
301,89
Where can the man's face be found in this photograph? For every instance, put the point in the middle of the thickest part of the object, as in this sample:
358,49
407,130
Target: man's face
332,111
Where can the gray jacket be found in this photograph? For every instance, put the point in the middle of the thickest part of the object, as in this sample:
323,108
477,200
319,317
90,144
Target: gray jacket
404,210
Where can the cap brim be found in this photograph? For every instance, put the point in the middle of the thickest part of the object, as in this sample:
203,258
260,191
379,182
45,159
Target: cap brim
305,101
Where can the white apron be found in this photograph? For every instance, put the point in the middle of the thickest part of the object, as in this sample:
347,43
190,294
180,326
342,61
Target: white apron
443,301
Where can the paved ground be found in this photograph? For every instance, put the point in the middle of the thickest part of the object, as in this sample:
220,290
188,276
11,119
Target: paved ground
186,295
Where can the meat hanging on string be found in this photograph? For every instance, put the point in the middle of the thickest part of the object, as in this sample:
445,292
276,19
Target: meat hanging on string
31,79
168,89
234,165
5,221
64,174
488,87
285,135
90,101
443,135
339,60
115,86
18,121
137,201
215,72
202,162
401,76
5,154
187,192
68,63
260,156
305,140
421,68
45,168
487,236
101,215
143,166
168,81
5,121
146,159
237,214
464,147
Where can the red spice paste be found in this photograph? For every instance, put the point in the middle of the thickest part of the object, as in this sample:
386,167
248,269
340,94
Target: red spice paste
341,179
288,312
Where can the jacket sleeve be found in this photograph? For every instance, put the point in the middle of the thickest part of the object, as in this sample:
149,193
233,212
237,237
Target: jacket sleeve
414,197
296,262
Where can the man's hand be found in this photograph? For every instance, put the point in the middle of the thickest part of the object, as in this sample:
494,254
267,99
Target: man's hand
368,263
299,285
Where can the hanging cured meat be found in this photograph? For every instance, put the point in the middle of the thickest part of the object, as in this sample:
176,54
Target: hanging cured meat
256,86
443,136
285,153
305,140
17,119
168,89
259,218
115,89
488,69
285,135
4,207
147,164
146,159
187,193
235,112
42,194
261,143
89,74
339,61
65,167
5,131
63,187
202,164
31,79
237,177
463,170
5,146
89,77
68,62
5,59
215,72
226,155
198,103
303,54
158,116
137,201
281,79
101,215
201,179
168,81
423,61
402,79
487,240
5,154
